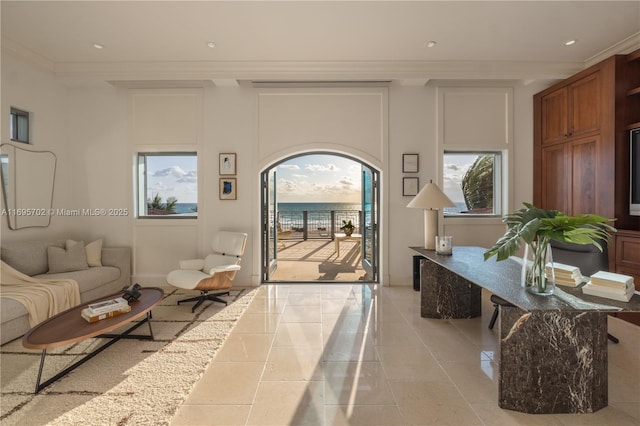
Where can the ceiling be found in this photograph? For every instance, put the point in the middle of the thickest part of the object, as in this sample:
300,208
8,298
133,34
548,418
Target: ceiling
321,40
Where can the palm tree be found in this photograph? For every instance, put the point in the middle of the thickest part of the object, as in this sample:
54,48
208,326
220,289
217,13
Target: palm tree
477,184
156,206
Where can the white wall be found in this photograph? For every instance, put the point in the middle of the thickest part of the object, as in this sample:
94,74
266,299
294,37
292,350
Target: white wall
352,121
90,131
35,90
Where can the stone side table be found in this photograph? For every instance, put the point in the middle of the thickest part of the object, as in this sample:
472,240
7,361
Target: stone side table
444,294
552,362
553,349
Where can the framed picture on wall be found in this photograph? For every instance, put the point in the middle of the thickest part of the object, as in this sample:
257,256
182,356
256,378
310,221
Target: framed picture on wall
409,163
228,164
228,190
410,186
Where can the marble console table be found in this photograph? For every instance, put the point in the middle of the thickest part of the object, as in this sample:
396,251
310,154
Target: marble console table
553,349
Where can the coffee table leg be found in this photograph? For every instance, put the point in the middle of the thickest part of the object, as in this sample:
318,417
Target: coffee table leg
114,338
44,353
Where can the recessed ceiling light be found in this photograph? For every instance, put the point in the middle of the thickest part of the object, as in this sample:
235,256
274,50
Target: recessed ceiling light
570,42
211,45
98,46
431,43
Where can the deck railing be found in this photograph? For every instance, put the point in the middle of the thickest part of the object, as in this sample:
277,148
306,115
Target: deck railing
319,224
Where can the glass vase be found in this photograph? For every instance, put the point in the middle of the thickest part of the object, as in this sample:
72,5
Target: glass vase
537,268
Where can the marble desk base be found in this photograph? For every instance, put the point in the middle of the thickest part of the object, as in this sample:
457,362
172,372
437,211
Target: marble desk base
444,294
552,361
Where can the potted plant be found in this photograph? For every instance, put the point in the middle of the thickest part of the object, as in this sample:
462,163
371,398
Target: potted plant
536,228
347,227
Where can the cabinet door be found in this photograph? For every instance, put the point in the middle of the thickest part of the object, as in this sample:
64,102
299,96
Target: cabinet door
584,105
584,176
555,192
554,116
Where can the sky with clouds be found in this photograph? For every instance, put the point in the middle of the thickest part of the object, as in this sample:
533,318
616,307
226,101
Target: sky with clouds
318,178
173,176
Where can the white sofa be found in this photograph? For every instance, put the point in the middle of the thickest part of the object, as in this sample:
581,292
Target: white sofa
31,259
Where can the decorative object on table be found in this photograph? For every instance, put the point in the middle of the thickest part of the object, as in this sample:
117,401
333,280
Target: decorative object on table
610,285
91,317
444,245
228,189
567,275
410,186
227,164
430,198
347,227
410,163
131,293
536,228
105,306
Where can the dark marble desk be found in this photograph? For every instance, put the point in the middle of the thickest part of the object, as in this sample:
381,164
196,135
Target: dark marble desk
553,349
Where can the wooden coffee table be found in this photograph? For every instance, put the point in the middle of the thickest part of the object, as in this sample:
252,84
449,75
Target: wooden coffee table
69,327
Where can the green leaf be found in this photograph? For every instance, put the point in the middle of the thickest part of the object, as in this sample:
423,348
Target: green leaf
531,223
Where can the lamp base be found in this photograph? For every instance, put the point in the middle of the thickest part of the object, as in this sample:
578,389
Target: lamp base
430,229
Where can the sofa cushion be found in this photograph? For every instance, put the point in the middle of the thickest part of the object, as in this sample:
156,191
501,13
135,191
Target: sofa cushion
67,260
30,257
93,250
88,279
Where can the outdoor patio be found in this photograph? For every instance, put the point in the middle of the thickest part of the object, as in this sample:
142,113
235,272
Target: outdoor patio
317,260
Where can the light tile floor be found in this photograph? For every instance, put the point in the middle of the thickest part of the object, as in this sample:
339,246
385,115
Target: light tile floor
330,354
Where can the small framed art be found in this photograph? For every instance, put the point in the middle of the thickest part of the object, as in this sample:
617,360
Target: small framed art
410,186
409,163
228,164
228,189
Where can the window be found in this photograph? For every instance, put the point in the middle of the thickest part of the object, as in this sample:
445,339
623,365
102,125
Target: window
168,185
473,181
19,125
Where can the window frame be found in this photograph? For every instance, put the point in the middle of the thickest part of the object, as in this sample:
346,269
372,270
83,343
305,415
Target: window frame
14,128
141,183
499,182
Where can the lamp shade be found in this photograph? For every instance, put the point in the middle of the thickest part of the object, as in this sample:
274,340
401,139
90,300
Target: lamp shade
430,197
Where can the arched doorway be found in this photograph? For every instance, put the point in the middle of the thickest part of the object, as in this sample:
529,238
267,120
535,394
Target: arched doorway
304,211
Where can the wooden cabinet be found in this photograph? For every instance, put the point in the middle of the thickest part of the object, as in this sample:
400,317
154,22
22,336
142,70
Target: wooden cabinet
572,110
627,254
626,260
577,159
556,189
581,151
585,172
633,90
580,143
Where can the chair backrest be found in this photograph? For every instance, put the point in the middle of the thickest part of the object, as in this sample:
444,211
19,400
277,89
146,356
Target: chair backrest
229,243
585,256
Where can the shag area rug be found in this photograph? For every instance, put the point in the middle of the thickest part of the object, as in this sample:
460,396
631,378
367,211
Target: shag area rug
133,382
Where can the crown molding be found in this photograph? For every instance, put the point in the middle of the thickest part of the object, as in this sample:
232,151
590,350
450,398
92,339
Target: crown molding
625,46
409,72
9,46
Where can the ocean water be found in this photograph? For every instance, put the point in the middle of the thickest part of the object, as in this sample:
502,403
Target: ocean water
318,215
460,207
298,207
182,208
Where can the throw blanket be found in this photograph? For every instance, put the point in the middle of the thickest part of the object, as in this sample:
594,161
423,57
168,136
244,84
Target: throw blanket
43,298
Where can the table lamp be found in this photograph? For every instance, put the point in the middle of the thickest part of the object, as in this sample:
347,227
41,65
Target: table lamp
430,198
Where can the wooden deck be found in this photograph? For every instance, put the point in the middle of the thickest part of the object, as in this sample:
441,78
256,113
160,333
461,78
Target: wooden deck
317,260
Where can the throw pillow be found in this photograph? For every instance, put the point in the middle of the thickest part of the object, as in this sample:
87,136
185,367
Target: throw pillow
72,259
93,251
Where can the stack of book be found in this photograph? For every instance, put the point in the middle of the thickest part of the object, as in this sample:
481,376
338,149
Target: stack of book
105,309
610,285
566,275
